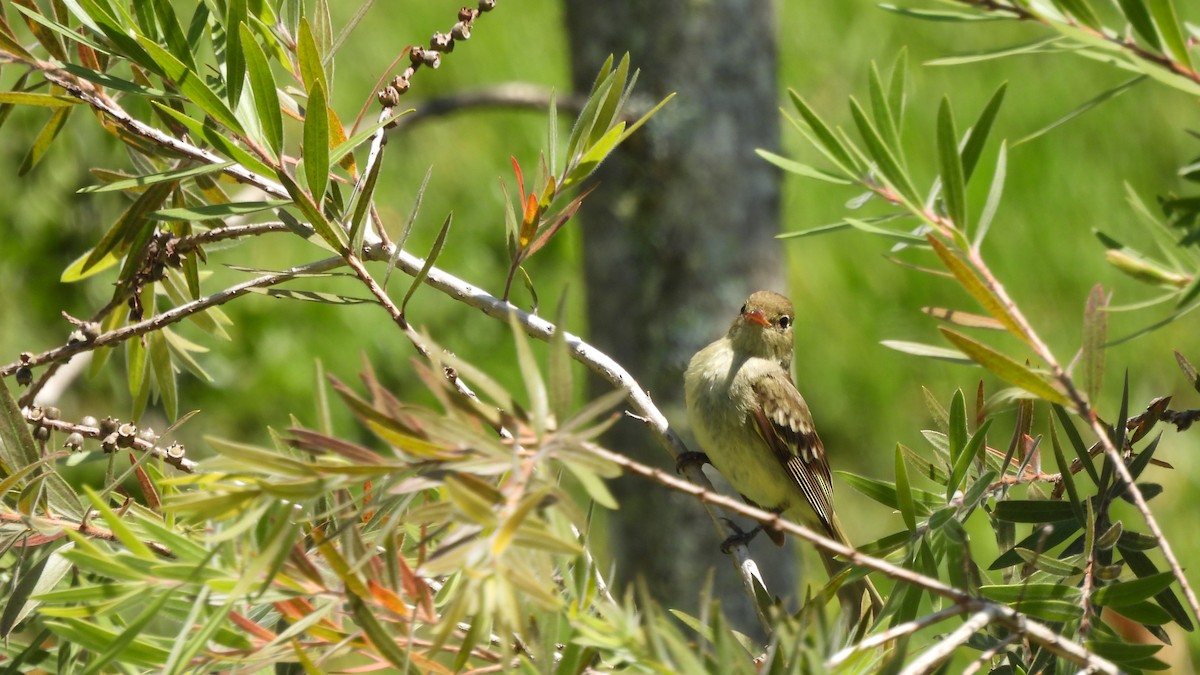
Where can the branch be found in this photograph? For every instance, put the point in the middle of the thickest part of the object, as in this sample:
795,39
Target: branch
84,528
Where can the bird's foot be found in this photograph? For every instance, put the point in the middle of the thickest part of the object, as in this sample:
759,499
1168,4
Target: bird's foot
688,460
739,537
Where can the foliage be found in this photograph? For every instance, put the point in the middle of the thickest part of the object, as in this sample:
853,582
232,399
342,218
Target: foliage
457,534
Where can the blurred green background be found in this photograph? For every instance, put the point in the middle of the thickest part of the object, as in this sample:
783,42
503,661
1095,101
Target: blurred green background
865,397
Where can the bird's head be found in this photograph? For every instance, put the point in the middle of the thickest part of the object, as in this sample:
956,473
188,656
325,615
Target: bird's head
763,327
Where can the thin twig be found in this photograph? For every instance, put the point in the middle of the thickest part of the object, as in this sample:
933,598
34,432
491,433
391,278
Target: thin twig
895,632
84,528
932,657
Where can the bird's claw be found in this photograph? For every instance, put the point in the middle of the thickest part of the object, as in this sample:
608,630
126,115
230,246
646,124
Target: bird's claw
688,460
739,537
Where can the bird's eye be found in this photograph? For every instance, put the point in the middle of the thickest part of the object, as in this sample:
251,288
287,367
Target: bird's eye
785,321
742,310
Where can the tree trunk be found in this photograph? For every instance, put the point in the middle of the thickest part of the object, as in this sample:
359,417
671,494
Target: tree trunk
680,230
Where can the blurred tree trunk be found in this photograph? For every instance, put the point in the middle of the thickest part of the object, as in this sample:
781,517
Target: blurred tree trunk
679,232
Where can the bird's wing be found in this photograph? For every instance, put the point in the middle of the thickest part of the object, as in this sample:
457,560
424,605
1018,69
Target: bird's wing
784,422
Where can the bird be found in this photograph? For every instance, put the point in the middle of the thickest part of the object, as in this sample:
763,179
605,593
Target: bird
756,430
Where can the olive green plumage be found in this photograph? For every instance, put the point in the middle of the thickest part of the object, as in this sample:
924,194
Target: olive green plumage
757,430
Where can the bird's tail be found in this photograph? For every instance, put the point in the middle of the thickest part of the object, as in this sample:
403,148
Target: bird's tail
860,600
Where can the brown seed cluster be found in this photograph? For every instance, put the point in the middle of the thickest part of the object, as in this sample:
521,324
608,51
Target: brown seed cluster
431,56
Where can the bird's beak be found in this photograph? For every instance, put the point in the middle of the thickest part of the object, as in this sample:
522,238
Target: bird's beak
756,316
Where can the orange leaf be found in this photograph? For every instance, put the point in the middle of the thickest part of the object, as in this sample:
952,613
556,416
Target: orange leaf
387,598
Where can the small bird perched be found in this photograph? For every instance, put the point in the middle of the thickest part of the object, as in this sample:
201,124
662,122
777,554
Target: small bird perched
755,428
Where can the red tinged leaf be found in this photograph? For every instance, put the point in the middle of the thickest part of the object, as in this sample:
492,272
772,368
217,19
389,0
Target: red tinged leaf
559,220
520,178
388,599
529,221
147,485
252,627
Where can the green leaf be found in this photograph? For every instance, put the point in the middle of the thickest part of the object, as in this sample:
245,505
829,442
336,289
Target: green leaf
1030,591
192,85
44,138
332,234
1130,592
235,57
210,133
434,252
828,141
1081,11
309,57
977,137
969,453
316,142
992,204
1034,511
1139,17
882,112
1167,21
262,85
904,492
953,183
75,271
808,171
888,164
1088,105
1004,367
131,225
164,374
1064,470
1081,450
924,502
139,182
210,211
1048,564
930,351
1095,335
973,285
42,100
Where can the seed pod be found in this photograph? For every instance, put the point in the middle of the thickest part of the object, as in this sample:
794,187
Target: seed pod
24,376
41,433
107,426
74,441
89,421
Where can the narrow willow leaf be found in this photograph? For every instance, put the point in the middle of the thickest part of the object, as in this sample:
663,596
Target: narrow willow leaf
434,252
969,454
210,211
1081,11
1139,17
164,374
1189,371
43,140
309,57
1081,450
882,113
973,148
904,493
800,169
930,351
586,120
46,38
972,284
1005,367
262,86
131,225
210,133
316,142
1088,105
535,387
896,93
888,164
332,234
343,148
951,168
1064,470
924,502
139,182
235,57
1030,591
965,319
362,205
192,85
992,204
1173,38
828,141
607,111
1129,592
1142,566
75,271
41,100
1034,511
559,376
311,296
956,436
1095,335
